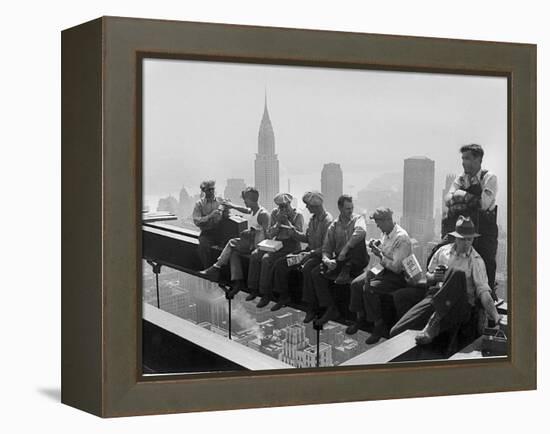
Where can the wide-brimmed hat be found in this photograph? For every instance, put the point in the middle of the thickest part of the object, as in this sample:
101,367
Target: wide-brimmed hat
464,228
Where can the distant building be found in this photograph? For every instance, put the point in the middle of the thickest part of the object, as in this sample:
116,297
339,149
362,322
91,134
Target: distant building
418,198
185,204
219,314
310,356
168,204
233,190
332,187
283,320
266,165
297,351
369,200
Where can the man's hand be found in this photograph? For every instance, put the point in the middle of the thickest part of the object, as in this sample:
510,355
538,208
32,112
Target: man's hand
342,255
439,276
330,264
439,273
283,219
376,251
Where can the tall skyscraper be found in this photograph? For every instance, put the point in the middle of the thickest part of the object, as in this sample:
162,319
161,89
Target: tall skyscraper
418,198
332,187
266,165
233,190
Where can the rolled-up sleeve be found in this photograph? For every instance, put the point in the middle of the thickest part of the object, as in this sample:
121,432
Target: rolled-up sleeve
198,218
401,249
359,232
489,192
329,243
435,261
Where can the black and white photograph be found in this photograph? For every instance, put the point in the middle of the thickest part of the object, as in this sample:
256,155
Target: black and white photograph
316,217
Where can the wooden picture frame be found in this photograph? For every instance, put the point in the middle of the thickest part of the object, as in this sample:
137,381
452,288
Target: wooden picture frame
101,212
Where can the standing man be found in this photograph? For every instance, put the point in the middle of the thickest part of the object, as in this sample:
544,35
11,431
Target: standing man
314,236
457,279
394,246
258,222
286,222
344,256
473,194
207,215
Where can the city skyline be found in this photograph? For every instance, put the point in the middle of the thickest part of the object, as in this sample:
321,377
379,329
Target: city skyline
375,119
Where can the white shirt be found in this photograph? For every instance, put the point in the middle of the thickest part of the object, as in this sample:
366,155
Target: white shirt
488,187
395,247
471,263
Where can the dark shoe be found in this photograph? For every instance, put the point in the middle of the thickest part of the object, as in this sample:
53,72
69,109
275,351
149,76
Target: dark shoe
330,314
310,316
251,296
380,331
236,286
279,305
264,301
344,277
353,327
211,273
429,332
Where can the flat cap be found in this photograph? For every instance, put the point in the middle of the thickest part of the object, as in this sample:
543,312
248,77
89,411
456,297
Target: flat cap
313,198
382,213
282,198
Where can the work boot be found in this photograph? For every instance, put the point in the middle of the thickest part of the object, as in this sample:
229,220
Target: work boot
380,331
264,301
211,273
344,277
330,314
236,286
310,316
354,327
429,332
253,294
280,304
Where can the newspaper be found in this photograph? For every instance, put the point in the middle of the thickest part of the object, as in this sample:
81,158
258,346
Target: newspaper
412,267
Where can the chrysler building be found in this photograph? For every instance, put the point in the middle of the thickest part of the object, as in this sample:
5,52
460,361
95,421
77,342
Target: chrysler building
266,165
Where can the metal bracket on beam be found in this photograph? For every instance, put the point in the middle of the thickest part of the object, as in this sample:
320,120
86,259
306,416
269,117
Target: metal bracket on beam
229,298
318,328
156,269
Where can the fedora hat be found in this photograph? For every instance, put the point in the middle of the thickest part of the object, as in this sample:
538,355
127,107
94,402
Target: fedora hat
464,228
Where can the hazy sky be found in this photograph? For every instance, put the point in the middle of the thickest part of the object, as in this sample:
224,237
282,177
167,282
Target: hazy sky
201,120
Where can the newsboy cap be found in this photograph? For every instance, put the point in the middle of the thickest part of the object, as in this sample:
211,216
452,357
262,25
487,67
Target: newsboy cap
382,213
313,198
282,198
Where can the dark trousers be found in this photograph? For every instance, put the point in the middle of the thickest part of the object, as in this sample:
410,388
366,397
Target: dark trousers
450,302
385,282
260,268
282,270
320,295
486,246
206,241
357,294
